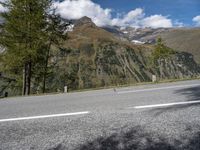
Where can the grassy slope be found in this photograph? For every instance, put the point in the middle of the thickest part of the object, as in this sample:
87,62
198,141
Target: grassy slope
86,34
187,40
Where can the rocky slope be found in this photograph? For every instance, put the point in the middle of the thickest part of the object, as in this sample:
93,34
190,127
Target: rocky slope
94,57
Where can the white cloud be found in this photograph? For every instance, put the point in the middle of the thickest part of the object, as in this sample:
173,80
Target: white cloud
157,21
75,9
71,9
177,23
133,15
197,20
132,18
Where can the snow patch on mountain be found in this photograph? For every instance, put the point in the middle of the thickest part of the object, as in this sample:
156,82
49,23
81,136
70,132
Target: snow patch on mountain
138,42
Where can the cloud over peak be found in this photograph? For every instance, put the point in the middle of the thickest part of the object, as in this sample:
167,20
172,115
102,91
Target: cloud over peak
70,9
76,9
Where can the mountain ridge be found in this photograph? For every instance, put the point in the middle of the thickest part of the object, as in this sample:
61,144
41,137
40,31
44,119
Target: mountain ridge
94,57
181,39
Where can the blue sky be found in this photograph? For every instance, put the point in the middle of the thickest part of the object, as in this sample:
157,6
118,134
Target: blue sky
134,13
181,10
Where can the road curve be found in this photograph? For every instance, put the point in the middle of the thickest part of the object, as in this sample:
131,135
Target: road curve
160,116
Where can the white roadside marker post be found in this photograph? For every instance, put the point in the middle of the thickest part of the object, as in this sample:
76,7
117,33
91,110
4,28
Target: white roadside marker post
154,79
65,89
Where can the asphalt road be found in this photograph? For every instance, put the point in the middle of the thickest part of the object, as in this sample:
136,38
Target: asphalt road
148,117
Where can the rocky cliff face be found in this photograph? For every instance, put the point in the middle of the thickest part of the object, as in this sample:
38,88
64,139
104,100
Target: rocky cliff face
93,57
179,65
113,64
97,58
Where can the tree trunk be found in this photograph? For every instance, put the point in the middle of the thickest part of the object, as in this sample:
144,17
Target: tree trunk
44,78
24,81
44,82
27,88
46,69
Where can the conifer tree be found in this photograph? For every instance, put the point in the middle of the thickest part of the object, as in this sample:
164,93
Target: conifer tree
55,36
22,35
161,51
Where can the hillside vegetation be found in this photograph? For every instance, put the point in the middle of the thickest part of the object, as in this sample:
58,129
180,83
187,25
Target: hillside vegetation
93,57
187,40
179,39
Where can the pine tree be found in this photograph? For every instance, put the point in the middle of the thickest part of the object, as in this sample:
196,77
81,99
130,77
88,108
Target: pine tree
22,35
56,34
161,51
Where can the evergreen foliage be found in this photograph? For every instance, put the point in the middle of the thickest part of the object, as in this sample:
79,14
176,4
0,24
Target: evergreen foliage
161,51
28,31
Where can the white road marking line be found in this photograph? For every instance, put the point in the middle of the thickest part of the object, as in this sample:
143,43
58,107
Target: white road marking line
164,105
155,89
45,116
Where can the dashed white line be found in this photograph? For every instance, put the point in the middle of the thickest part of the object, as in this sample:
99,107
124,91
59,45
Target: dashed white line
45,116
155,89
164,105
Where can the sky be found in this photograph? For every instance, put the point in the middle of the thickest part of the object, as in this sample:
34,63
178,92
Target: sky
177,10
134,13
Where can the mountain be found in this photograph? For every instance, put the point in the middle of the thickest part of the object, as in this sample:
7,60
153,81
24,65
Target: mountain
97,57
187,40
100,57
179,39
84,21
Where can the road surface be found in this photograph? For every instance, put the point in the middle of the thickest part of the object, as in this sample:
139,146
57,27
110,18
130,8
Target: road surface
147,117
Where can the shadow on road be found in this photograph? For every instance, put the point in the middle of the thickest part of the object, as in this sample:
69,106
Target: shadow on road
158,111
136,139
192,93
